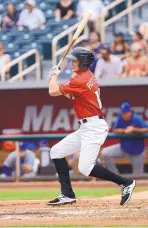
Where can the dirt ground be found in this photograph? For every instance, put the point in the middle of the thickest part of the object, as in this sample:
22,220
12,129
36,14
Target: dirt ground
95,212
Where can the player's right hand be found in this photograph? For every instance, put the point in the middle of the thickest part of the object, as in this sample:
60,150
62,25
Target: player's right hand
53,71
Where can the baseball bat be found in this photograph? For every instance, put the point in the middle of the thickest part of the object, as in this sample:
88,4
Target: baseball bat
75,36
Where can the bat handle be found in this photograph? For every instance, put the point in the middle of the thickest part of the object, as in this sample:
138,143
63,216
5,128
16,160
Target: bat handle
60,62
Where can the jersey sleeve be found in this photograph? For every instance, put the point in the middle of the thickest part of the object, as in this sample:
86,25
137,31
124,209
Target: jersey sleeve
30,158
41,16
70,87
117,123
9,161
141,123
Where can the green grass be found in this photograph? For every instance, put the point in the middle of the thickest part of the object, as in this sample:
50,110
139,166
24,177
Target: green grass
46,194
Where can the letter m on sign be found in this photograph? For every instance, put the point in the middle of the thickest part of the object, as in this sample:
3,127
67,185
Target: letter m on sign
37,121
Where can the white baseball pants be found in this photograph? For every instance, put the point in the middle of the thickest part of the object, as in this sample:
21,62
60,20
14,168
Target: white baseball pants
87,139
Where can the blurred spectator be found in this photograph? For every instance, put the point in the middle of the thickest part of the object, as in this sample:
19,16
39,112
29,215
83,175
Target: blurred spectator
95,42
137,64
28,163
4,60
119,46
128,54
65,10
127,122
143,29
109,66
31,17
96,7
138,39
10,19
92,67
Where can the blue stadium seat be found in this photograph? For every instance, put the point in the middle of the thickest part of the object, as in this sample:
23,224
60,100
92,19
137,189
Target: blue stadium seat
64,24
31,59
24,40
16,1
4,30
4,38
40,32
36,45
18,41
2,7
49,12
11,48
45,43
13,34
49,17
53,1
33,45
20,6
16,54
43,6
4,42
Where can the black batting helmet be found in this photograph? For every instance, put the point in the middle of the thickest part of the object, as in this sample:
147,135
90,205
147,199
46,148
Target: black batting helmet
84,55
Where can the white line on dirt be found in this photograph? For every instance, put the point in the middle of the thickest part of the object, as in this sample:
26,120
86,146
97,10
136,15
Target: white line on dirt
60,211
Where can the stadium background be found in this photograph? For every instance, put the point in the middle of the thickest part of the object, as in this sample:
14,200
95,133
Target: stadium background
26,108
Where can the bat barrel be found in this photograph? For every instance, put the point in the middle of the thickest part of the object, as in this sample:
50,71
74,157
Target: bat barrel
76,35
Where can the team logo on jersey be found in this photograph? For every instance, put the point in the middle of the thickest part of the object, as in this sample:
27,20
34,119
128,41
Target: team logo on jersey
92,82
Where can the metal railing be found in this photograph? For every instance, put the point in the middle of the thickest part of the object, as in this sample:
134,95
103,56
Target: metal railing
127,11
61,136
22,72
68,32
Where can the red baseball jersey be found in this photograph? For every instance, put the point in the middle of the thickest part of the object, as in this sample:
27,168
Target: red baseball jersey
85,94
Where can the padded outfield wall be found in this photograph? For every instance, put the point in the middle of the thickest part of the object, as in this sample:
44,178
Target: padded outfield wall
28,106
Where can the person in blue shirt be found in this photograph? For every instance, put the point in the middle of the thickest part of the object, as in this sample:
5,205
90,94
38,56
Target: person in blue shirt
93,66
128,122
28,163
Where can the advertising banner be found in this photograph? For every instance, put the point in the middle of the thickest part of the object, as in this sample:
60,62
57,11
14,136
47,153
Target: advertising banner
34,111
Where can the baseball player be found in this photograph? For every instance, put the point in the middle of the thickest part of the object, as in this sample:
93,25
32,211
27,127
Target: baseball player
83,90
127,122
28,163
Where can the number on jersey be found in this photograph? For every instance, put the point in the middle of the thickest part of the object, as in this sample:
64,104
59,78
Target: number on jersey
97,93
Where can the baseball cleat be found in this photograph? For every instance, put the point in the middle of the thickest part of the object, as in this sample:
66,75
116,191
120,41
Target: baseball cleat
61,200
126,192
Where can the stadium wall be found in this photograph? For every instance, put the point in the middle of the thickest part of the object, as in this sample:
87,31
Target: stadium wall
34,111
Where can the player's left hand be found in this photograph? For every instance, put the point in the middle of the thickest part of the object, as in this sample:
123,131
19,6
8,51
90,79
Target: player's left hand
53,71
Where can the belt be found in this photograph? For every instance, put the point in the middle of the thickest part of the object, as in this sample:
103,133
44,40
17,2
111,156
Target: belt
86,120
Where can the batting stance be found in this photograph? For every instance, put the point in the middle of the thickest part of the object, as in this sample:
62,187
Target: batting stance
83,90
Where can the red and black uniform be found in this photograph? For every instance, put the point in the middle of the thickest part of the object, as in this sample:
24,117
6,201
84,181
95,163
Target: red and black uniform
84,91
